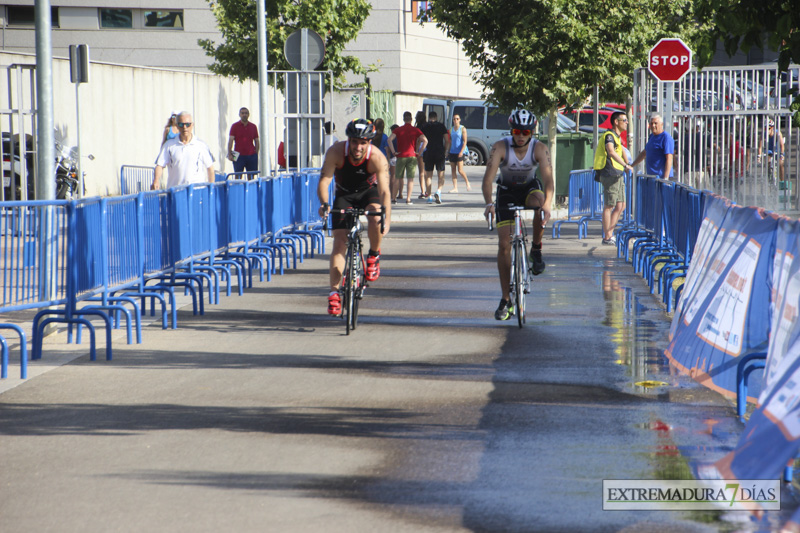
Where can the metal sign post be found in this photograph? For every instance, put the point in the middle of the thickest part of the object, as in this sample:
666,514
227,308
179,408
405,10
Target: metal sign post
78,73
304,50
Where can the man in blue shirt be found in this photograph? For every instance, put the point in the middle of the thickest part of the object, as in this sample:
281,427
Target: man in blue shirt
659,150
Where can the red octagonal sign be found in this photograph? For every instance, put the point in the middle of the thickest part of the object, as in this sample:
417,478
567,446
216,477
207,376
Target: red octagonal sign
669,60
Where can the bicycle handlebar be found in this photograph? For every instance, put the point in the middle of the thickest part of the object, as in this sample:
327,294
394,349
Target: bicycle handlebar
357,212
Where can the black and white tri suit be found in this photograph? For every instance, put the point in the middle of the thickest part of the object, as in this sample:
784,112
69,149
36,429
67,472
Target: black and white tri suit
516,181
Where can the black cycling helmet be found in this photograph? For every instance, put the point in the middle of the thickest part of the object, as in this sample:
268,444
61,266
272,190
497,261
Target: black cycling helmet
360,129
522,119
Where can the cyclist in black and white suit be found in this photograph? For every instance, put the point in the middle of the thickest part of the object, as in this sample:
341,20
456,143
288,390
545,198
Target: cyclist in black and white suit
518,158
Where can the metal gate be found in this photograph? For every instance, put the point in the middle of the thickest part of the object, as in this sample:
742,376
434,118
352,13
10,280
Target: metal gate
732,129
300,118
17,126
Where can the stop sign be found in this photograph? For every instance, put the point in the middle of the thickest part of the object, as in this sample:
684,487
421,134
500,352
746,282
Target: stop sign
669,60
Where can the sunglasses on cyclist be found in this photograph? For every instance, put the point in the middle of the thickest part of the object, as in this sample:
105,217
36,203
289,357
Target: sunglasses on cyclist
521,132
184,124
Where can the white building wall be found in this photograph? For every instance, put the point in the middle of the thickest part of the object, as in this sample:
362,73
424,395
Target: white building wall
124,111
412,58
162,48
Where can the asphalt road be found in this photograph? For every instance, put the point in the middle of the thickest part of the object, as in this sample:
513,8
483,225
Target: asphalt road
263,415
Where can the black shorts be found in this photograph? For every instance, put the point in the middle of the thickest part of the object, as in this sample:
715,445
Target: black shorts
454,158
517,196
343,200
433,160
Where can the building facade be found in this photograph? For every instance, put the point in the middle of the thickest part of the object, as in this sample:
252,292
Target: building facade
126,32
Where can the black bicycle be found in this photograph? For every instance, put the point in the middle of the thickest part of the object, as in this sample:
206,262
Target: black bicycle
521,277
354,277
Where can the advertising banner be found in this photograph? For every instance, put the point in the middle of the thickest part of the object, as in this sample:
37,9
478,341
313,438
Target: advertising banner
724,311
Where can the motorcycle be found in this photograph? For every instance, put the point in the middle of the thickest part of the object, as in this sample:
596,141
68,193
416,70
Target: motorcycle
66,168
67,181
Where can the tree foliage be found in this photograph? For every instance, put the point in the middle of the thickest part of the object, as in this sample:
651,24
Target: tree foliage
336,21
744,24
541,53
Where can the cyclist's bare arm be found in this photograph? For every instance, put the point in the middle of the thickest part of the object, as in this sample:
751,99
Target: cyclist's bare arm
496,156
333,160
542,154
379,165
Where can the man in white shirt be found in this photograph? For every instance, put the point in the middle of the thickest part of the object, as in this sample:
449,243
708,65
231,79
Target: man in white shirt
187,158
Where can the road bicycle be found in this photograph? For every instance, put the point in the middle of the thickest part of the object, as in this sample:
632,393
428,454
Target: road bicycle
354,277
521,276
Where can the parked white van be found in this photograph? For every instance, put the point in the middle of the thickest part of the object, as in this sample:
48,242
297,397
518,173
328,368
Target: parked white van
484,122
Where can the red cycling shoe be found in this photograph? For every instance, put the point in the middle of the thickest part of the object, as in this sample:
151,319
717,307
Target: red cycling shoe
334,304
373,266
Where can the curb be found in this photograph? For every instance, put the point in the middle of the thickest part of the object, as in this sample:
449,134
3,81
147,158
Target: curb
468,213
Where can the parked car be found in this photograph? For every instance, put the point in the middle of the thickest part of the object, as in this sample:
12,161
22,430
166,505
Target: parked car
585,119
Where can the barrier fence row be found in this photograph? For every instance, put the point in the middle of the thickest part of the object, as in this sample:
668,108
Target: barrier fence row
736,327
106,258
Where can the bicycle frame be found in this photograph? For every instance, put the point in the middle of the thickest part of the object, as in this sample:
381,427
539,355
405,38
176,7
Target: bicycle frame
520,274
354,280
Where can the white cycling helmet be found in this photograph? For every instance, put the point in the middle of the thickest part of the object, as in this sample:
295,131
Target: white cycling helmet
522,119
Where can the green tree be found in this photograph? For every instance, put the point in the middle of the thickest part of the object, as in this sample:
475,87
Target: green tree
336,21
543,53
744,24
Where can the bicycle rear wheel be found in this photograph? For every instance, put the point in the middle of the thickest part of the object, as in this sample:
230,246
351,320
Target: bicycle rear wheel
519,281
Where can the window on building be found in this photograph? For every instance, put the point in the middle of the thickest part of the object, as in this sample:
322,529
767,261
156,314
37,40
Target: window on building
471,116
419,11
116,18
25,16
163,19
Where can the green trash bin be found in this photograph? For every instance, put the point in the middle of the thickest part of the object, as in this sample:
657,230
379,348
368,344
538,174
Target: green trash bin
574,152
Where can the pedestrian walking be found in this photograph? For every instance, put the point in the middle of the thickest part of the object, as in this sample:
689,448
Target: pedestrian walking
458,144
243,143
434,156
410,143
186,158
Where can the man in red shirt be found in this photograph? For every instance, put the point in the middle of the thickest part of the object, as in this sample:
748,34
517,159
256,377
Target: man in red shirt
411,142
244,153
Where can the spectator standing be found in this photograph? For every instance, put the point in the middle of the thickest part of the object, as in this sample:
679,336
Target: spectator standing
458,144
381,140
171,129
186,158
243,143
610,165
695,148
391,150
659,151
438,144
419,122
410,143
774,148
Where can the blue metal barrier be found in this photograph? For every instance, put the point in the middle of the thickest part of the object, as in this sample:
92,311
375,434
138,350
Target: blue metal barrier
108,256
579,202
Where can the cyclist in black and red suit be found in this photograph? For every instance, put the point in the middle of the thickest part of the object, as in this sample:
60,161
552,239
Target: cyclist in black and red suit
362,180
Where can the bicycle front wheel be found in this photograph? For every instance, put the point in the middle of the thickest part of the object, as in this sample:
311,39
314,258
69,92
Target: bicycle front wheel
358,288
349,284
519,281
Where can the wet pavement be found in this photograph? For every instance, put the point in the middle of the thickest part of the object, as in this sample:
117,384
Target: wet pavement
432,416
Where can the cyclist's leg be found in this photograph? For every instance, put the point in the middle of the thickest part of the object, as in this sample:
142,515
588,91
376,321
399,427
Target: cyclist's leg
370,201
535,198
504,257
337,258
